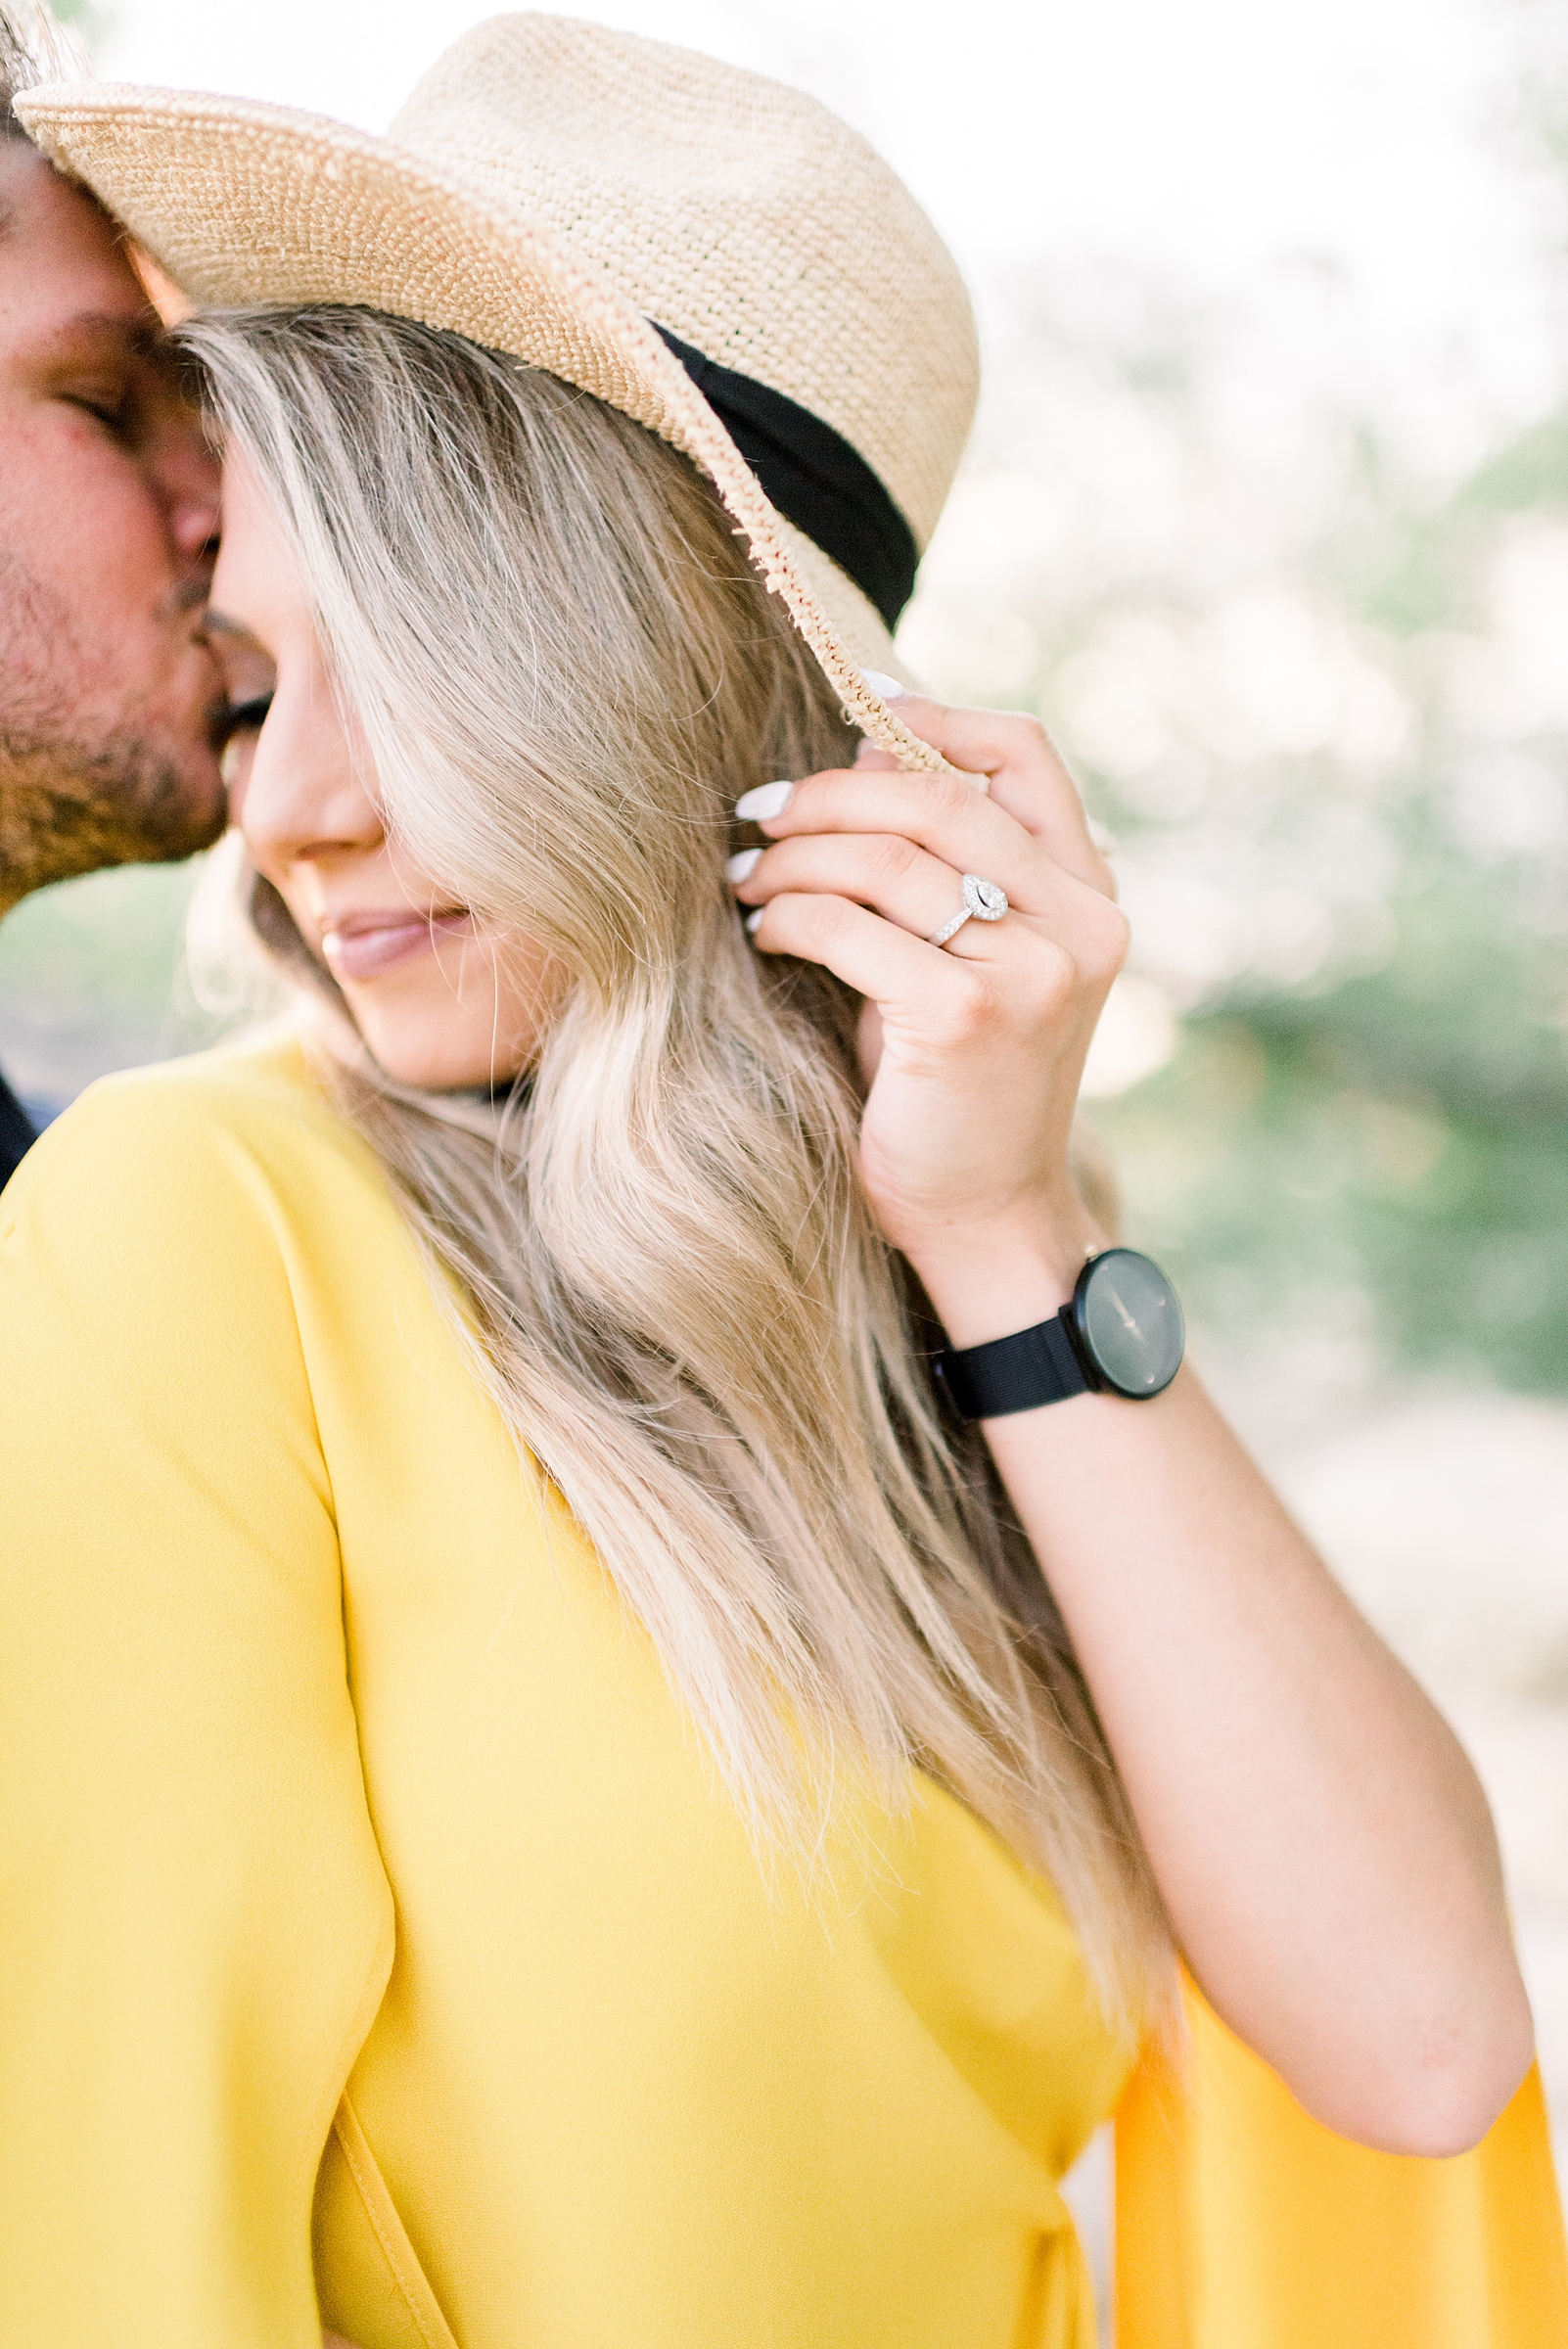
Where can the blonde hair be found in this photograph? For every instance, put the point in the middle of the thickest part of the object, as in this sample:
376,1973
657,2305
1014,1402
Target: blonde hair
566,673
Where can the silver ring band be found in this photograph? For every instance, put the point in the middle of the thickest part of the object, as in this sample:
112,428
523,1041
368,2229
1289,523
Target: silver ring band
984,901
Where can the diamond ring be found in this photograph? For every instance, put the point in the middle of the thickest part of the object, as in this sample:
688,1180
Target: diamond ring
983,901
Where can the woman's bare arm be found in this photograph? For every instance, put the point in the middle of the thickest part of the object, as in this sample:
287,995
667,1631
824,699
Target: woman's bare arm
1323,1847
1321,1844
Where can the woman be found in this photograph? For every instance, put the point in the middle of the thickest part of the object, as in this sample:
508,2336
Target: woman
505,1644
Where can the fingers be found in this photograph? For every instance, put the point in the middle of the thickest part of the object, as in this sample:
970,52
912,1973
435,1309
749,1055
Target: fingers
1026,774
802,888
886,872
876,931
930,991
879,959
940,815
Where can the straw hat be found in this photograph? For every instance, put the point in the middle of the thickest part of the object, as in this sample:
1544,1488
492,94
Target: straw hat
713,254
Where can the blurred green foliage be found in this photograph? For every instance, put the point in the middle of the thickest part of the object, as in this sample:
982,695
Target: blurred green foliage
1391,1156
89,980
1387,1150
110,940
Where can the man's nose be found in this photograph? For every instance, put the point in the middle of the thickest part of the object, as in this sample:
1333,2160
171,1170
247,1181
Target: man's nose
193,526
188,480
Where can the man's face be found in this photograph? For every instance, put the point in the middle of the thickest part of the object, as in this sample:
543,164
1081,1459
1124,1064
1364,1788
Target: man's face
109,699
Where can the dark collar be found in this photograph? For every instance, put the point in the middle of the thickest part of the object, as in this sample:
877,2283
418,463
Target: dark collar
16,1131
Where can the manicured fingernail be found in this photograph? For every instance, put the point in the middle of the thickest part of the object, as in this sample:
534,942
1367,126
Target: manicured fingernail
768,799
741,865
754,921
889,688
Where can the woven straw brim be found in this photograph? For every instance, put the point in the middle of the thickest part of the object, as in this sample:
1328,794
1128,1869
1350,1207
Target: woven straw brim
244,205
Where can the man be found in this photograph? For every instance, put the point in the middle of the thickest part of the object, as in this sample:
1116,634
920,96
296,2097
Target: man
110,703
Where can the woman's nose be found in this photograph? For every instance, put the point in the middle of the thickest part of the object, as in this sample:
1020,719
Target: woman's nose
296,790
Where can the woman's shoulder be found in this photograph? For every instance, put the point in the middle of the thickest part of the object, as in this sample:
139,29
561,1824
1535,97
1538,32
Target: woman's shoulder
189,1167
178,1119
261,1084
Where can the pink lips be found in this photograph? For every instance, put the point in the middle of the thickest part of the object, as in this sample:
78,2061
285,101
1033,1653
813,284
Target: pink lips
364,944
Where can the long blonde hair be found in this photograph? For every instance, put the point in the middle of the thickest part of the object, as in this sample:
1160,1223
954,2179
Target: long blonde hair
566,673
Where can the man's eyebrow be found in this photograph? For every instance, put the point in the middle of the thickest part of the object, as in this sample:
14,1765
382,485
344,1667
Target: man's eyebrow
144,337
98,335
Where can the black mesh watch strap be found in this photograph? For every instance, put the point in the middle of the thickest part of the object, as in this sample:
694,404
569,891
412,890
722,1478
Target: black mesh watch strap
1014,1374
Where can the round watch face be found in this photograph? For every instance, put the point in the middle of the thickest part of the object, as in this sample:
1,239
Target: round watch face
1130,1322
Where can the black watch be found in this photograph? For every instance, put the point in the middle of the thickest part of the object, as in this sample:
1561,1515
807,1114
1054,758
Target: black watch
1121,1334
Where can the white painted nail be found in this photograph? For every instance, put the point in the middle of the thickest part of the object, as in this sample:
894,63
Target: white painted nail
768,799
754,921
743,863
889,688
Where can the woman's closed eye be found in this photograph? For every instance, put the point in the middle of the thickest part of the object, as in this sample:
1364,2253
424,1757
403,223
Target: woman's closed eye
237,731
245,718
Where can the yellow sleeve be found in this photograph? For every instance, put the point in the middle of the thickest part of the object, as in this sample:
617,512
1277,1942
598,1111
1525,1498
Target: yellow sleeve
1240,2223
195,1925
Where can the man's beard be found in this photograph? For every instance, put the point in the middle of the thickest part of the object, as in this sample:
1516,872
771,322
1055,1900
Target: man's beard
69,807
79,791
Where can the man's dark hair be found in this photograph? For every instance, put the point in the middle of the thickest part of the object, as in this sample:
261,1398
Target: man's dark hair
35,46
14,71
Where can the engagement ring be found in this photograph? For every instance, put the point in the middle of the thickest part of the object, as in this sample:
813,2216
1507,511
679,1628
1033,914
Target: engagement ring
984,901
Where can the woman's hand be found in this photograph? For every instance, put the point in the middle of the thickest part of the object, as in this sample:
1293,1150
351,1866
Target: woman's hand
973,1050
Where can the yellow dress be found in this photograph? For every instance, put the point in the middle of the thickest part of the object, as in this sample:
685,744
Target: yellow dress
373,1943
1243,2225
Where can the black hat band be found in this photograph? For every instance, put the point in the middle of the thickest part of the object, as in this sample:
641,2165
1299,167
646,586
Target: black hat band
814,478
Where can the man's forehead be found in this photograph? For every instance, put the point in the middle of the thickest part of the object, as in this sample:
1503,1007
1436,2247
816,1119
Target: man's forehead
56,225
17,160
68,271
70,294
20,159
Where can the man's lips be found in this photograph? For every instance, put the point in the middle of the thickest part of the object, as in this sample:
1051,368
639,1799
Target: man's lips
361,946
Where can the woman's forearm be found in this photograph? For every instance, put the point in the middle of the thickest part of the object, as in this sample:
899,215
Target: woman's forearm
1323,1845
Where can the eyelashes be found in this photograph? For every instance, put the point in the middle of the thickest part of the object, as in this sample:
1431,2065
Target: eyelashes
115,419
243,718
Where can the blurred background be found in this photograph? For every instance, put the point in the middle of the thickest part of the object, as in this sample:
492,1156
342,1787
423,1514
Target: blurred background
1267,514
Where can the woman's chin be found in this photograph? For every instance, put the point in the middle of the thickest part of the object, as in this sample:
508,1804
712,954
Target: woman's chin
440,1072
448,1026
437,1064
